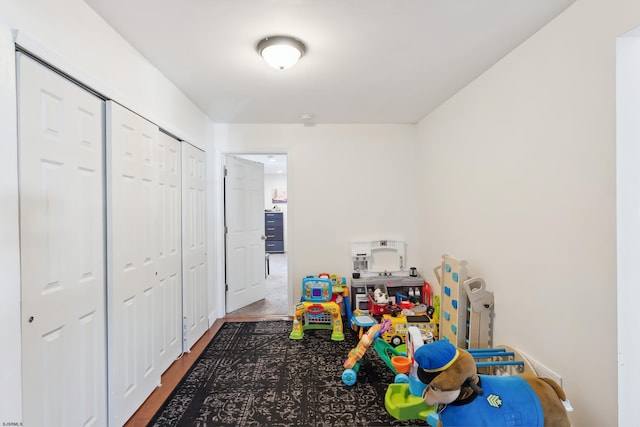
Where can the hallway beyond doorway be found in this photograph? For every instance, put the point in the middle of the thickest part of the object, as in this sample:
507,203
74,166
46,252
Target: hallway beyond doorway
276,284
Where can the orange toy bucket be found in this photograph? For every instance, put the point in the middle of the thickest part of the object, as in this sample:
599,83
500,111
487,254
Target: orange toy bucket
401,364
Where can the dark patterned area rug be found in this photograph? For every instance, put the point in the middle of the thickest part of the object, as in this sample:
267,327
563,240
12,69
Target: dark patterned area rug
252,374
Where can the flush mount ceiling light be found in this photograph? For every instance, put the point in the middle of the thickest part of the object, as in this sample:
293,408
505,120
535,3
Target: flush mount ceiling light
281,52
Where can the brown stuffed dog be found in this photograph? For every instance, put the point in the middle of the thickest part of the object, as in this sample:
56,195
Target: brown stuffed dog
465,398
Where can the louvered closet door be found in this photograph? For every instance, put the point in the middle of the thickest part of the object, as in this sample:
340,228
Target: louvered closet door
169,252
61,128
132,234
194,243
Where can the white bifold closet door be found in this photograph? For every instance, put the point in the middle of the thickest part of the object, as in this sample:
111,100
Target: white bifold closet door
144,265
194,244
169,251
61,131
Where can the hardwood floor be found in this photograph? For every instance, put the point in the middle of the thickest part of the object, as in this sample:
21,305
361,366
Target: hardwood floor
179,368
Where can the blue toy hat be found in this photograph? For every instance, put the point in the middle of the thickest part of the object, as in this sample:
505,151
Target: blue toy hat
436,356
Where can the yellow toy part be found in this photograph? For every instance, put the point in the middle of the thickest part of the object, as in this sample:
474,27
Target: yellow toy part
361,348
317,315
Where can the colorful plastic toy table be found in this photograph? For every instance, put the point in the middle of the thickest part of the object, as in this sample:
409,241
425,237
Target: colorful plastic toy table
362,322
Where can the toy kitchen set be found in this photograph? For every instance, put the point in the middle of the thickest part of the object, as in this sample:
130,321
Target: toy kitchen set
381,264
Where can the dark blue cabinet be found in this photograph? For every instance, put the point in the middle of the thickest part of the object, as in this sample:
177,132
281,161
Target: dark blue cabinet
274,230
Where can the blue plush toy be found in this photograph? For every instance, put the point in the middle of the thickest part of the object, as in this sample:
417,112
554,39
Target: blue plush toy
467,399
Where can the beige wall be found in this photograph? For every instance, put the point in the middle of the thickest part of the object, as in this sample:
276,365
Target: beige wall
345,182
272,181
70,35
518,177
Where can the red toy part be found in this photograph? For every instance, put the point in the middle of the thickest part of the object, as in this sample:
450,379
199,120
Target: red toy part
315,309
406,304
375,308
427,298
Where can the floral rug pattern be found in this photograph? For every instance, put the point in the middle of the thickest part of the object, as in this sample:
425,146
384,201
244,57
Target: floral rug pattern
252,374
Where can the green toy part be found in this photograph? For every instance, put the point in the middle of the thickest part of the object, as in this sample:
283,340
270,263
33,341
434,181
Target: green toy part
402,405
386,351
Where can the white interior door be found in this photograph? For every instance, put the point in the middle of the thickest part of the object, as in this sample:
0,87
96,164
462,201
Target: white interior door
169,251
245,239
132,230
194,244
61,132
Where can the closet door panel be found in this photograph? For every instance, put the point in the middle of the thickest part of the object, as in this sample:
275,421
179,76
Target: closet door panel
132,198
169,251
61,128
194,247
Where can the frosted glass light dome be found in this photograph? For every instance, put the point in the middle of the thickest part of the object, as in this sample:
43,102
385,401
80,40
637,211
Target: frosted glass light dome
281,52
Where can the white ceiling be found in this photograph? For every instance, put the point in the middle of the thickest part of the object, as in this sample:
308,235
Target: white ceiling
274,164
367,61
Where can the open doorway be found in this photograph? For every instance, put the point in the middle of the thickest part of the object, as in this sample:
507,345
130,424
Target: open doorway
276,301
